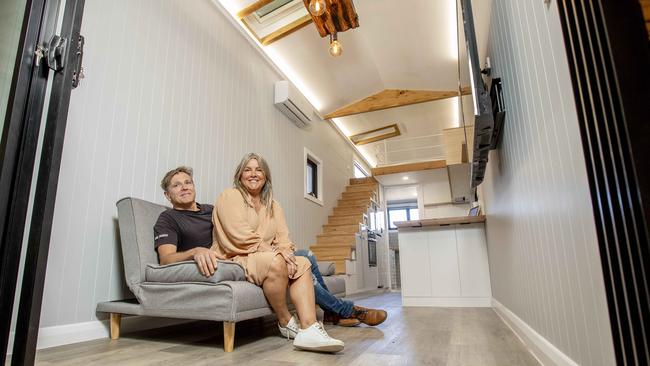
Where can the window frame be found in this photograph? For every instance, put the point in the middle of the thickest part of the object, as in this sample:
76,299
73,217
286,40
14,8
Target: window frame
356,164
310,157
407,208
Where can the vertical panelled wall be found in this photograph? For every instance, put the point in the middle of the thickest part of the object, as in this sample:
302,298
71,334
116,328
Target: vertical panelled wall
543,249
168,83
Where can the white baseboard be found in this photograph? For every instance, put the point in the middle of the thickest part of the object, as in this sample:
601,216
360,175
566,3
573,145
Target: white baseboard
81,332
448,302
545,352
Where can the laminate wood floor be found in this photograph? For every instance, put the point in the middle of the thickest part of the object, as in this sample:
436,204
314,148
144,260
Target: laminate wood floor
410,336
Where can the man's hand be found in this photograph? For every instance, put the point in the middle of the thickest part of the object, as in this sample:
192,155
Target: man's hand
206,260
290,258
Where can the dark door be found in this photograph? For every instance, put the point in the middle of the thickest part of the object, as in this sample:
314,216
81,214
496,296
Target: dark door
609,59
40,55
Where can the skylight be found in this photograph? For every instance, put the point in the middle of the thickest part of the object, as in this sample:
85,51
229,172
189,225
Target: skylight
271,7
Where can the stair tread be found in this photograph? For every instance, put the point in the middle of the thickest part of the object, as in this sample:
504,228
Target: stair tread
346,216
325,246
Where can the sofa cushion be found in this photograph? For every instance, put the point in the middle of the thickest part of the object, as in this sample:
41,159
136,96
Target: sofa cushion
187,271
335,284
136,220
326,268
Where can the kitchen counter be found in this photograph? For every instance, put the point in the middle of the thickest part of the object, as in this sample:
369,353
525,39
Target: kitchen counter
441,221
444,262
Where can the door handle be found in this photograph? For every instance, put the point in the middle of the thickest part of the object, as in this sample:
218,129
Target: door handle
54,54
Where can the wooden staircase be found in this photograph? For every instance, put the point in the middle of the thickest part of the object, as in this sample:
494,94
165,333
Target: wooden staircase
337,241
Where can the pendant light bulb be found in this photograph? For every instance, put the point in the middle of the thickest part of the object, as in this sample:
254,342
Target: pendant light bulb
317,7
336,49
335,46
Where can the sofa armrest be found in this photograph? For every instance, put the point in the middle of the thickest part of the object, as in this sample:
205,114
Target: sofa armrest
326,268
187,271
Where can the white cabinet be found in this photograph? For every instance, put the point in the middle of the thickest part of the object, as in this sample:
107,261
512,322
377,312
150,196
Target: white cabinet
473,261
359,275
414,264
444,266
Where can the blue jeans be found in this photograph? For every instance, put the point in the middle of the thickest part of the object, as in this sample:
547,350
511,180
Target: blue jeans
324,298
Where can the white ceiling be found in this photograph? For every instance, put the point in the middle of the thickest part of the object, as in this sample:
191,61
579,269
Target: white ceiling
398,45
401,193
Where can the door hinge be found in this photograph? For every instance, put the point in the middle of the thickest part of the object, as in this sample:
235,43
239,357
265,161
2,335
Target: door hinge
78,72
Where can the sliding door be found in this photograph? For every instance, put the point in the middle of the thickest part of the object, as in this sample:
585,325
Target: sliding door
40,54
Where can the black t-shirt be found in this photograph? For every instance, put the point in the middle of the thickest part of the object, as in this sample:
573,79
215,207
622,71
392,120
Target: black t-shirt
185,229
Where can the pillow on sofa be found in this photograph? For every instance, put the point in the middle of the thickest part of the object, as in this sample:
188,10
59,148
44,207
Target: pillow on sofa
187,271
326,268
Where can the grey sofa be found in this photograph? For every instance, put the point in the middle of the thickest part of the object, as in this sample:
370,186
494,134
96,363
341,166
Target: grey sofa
178,290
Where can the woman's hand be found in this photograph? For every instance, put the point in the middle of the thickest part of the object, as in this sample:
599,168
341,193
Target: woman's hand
290,258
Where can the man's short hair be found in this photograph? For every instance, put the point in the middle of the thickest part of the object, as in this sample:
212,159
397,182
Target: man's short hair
167,179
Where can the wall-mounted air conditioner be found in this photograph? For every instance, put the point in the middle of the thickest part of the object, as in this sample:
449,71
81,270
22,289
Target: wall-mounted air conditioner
289,100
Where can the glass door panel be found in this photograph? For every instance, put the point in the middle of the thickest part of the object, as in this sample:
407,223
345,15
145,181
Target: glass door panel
11,20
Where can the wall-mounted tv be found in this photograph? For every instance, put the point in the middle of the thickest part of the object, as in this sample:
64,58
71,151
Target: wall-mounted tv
483,113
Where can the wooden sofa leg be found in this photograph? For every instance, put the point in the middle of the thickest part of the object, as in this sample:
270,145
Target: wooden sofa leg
115,325
228,336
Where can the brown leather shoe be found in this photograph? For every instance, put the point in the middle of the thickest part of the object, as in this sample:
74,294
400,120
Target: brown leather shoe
348,322
369,316
330,317
333,318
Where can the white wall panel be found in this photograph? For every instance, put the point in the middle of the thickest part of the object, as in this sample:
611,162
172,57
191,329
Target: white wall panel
167,83
544,260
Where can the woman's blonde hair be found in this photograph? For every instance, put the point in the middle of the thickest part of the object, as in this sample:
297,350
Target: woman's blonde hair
266,196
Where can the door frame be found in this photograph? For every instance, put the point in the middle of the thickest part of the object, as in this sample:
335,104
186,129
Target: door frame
18,148
609,59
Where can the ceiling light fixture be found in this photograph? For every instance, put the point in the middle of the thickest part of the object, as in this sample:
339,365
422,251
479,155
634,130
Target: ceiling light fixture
405,177
331,17
317,7
335,46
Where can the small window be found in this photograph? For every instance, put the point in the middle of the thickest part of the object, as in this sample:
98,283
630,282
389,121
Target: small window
396,214
271,7
401,213
359,172
313,177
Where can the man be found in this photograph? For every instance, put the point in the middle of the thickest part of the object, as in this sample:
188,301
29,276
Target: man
185,233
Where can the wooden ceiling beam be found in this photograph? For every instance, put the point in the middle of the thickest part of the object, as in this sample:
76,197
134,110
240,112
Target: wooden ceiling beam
412,167
391,98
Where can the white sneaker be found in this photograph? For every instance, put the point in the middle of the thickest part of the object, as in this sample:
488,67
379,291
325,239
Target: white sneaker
315,338
291,329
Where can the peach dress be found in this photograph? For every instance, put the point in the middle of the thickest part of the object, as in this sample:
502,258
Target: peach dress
251,238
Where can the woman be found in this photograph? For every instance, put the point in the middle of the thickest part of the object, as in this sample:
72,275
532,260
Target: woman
250,229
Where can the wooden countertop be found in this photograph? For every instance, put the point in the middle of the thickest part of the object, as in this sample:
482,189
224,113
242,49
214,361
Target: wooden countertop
440,222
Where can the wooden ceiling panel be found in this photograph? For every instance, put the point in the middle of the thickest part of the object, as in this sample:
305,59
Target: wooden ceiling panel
391,98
